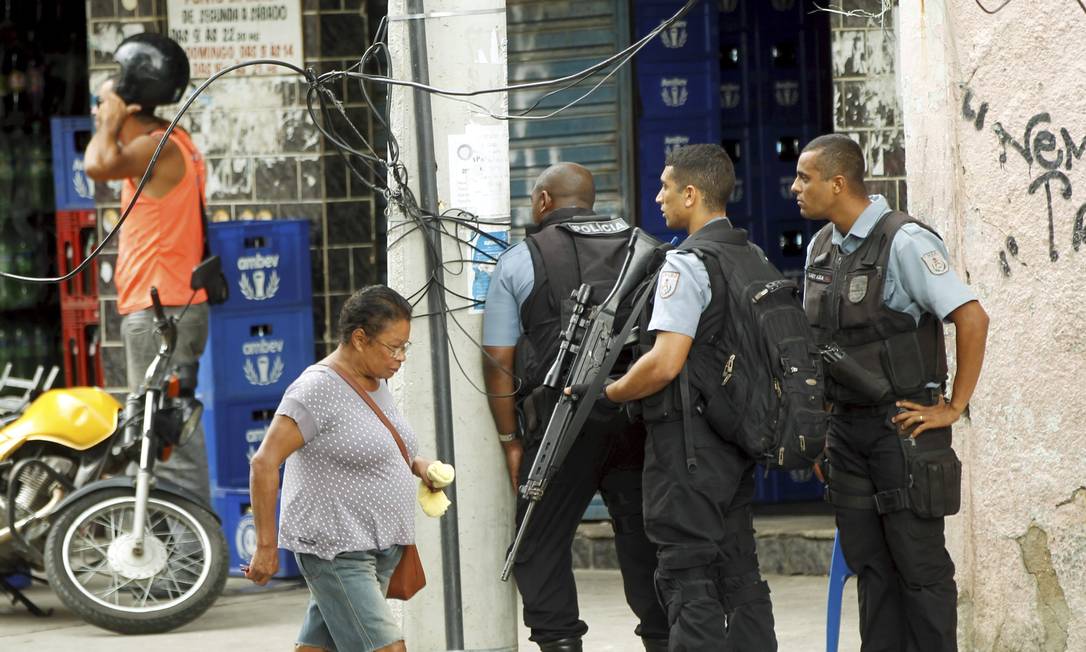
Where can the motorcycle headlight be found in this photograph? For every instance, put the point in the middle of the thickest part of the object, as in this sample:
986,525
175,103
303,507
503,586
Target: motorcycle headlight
178,420
191,413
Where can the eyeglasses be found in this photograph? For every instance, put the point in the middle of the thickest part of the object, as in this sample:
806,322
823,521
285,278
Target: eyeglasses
396,351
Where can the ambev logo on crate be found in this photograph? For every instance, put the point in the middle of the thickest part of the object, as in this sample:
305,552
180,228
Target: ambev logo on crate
673,91
258,284
260,367
245,537
675,36
253,437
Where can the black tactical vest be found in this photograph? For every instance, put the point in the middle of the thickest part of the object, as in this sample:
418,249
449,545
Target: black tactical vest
844,302
570,246
666,405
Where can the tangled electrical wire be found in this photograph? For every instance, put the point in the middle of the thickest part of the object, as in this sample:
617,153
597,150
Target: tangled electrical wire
385,174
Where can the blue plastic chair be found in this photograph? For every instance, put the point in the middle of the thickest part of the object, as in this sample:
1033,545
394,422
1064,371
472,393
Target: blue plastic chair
839,574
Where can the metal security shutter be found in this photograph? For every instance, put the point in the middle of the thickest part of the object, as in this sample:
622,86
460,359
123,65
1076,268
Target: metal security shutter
552,38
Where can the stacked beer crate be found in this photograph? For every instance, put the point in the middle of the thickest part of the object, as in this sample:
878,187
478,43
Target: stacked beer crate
76,238
259,341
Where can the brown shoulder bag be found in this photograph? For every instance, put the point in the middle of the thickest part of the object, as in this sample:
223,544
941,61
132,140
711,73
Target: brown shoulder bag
408,578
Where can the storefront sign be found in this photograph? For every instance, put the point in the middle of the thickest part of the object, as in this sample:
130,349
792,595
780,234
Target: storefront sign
220,33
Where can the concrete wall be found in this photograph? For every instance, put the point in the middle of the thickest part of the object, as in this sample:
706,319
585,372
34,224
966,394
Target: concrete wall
866,102
265,158
482,511
994,131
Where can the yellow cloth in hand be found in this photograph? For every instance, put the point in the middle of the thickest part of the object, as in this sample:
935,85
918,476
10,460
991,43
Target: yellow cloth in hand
434,503
441,474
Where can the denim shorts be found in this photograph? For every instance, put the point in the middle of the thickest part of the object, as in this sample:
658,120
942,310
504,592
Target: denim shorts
347,609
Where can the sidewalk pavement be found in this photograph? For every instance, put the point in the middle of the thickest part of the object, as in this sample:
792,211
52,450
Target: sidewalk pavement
248,618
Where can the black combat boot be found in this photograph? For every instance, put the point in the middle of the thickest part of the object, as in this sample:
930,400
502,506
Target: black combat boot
655,644
562,645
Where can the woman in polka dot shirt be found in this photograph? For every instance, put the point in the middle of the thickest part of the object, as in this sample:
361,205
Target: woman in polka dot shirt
348,498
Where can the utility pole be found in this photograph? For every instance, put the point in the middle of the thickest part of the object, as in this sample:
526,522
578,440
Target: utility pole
456,157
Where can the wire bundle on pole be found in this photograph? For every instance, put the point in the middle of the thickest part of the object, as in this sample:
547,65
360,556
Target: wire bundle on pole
388,176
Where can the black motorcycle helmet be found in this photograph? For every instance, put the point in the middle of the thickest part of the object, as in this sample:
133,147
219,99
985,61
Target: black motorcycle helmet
154,70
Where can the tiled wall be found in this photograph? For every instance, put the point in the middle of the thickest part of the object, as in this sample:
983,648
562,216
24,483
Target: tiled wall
266,160
866,102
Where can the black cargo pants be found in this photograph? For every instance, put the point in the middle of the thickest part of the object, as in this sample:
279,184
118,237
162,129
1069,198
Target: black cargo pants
907,594
708,576
608,456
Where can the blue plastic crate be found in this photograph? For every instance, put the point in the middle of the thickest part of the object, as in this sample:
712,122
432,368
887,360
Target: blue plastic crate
71,186
20,580
779,148
743,151
788,79
737,93
655,140
233,432
733,15
597,510
266,263
234,507
786,16
254,356
786,243
676,91
786,486
691,38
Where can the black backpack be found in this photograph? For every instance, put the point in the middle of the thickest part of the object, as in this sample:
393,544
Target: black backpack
759,376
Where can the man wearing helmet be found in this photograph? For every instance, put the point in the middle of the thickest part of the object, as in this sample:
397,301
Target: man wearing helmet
163,237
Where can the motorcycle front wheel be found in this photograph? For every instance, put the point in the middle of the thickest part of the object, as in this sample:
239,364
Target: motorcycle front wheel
95,566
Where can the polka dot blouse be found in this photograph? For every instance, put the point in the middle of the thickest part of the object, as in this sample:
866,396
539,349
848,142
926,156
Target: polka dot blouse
348,487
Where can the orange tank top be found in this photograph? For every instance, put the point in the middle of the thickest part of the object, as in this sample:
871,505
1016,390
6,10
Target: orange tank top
162,239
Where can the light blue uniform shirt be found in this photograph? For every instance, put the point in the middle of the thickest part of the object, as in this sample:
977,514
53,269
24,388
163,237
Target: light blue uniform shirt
682,293
918,275
510,285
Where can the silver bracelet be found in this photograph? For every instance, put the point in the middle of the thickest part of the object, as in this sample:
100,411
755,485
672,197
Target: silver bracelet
506,438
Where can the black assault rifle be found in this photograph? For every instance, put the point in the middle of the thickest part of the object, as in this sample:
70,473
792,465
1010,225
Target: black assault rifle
591,338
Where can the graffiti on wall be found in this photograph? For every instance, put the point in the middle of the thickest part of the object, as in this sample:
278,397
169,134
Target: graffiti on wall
1049,154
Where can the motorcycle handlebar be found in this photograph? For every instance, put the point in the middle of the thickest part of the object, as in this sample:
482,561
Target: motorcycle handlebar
160,314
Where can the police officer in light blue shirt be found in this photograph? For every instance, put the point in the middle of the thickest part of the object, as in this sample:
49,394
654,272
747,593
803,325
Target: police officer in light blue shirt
527,298
698,486
879,288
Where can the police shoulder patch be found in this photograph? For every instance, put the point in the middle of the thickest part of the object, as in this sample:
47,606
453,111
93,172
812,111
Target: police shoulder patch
935,262
669,282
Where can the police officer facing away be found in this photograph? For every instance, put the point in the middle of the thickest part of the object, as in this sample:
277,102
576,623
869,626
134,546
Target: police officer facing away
527,306
699,515
878,290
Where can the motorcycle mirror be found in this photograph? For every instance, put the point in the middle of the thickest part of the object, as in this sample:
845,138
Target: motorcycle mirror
206,272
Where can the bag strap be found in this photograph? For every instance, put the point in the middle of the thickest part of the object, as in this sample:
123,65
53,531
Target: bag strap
357,387
203,224
688,422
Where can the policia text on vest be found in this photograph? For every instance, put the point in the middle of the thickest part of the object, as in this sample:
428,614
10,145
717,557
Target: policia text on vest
528,305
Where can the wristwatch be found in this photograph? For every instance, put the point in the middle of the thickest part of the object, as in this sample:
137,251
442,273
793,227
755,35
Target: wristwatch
506,438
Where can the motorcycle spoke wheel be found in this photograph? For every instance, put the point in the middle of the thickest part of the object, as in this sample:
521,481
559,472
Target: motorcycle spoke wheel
99,571
100,556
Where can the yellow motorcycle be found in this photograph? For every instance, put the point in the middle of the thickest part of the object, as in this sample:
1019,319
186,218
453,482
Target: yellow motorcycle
78,497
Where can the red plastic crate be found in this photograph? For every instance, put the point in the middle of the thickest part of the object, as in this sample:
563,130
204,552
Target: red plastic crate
77,234
80,341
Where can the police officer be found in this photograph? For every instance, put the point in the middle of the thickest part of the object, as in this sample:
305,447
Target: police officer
526,308
698,487
878,290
